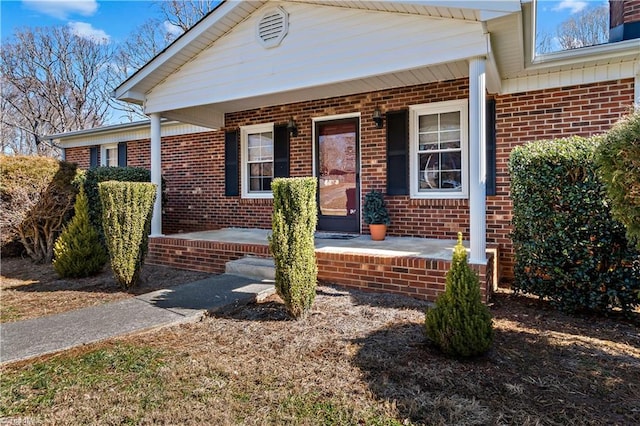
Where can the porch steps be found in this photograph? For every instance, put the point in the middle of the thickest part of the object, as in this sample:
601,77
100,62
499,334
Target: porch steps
260,268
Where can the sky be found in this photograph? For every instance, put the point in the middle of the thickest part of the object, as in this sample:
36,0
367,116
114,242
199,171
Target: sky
113,20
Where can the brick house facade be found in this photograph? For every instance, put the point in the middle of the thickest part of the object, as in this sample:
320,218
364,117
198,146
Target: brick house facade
581,95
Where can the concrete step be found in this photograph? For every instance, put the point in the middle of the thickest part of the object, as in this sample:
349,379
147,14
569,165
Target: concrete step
252,267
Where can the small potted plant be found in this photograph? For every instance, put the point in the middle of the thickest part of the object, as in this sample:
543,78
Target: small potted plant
376,214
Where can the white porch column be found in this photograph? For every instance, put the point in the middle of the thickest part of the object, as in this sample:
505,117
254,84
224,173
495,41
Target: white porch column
156,174
477,161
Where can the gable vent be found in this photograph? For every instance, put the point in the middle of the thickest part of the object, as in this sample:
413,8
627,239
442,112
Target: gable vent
273,27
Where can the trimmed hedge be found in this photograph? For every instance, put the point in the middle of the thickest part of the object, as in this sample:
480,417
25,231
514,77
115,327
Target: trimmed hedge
619,160
95,175
292,242
126,219
460,324
78,251
568,247
36,198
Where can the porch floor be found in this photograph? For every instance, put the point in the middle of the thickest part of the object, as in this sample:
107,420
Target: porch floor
327,242
404,265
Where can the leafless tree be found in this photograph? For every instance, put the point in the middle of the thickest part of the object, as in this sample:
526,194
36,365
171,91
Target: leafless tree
52,81
587,28
142,45
544,42
185,13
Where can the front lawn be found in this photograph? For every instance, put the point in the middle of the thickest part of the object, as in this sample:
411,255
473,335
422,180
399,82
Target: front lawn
358,359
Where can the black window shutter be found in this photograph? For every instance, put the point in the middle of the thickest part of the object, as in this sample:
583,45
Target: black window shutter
398,152
122,154
231,187
281,151
491,147
93,156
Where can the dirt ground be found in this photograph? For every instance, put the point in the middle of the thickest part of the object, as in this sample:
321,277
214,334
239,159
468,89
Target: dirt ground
357,359
29,290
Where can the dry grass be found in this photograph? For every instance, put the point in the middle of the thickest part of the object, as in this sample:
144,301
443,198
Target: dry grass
357,359
29,290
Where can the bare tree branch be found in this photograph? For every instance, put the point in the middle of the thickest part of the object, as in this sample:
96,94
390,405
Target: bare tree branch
53,82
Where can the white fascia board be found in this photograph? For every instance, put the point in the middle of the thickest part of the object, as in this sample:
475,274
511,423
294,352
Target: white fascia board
488,9
122,133
130,96
175,48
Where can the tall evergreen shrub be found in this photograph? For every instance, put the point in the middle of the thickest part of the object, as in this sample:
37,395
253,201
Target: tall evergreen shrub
95,175
127,208
568,247
460,324
292,244
78,251
619,159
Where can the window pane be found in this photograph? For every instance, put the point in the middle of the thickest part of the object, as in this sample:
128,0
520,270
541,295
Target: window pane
266,184
254,170
112,157
450,121
451,161
254,184
428,141
254,140
267,152
428,123
428,173
267,169
452,180
450,139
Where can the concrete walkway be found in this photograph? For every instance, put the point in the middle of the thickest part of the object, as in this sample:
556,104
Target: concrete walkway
188,302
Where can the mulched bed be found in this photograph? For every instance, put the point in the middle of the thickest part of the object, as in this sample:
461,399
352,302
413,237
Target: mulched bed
32,290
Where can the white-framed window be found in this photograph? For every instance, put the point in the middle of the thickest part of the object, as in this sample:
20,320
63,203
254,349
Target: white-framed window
438,150
256,153
109,155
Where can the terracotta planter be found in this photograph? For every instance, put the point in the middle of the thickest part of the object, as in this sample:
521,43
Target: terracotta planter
378,231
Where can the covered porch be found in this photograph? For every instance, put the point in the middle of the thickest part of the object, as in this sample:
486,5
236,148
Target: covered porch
404,265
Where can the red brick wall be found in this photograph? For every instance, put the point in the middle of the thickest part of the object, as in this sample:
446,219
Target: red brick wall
193,165
408,275
80,156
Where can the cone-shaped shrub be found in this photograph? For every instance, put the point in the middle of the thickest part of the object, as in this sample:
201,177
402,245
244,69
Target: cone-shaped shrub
78,251
460,324
126,220
294,223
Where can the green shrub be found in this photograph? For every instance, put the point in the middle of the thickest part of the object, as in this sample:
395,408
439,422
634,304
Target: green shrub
94,176
619,160
36,198
460,324
292,245
375,209
78,251
126,219
568,248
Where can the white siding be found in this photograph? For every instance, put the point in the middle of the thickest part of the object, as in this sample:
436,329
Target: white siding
324,45
586,75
